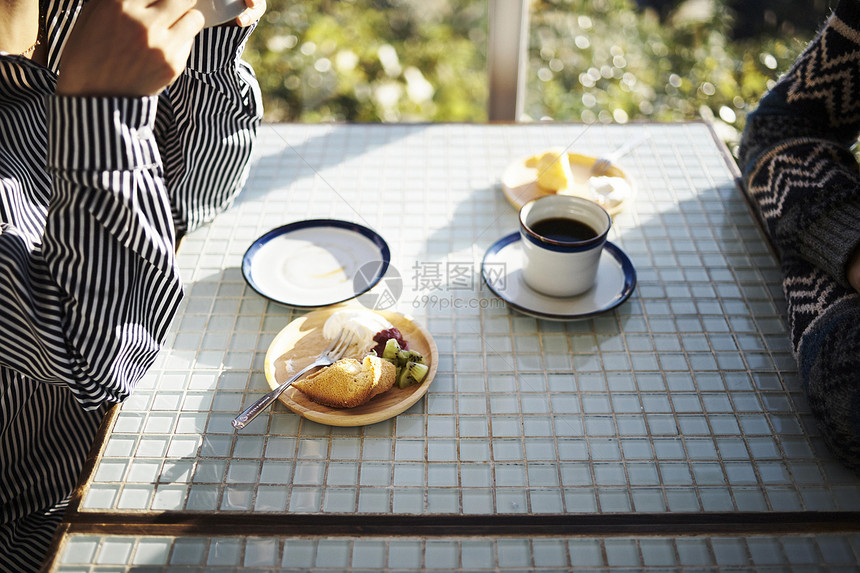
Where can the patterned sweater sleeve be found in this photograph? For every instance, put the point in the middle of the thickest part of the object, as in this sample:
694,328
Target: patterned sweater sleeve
208,126
795,152
89,307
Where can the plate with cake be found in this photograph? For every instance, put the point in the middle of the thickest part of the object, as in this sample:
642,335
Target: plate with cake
560,172
388,369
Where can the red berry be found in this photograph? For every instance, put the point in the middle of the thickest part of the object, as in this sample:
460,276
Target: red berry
382,337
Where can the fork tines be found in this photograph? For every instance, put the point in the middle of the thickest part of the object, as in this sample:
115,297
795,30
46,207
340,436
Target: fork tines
340,345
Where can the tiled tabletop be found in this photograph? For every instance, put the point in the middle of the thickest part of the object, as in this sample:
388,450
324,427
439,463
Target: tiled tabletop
97,554
685,399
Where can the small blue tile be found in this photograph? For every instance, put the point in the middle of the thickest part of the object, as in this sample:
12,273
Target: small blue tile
622,553
694,552
730,551
406,554
549,553
765,551
586,553
614,500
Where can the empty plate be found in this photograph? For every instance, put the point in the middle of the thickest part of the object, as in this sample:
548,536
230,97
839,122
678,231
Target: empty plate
314,263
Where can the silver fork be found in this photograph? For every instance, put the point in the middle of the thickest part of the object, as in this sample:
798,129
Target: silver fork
331,354
602,164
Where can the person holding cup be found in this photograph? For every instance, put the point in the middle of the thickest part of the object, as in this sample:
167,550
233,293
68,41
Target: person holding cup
124,124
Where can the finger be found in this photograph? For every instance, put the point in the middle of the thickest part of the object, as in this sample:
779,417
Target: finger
168,12
255,11
188,25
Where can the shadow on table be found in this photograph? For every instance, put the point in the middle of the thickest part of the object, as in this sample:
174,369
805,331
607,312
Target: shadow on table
287,153
696,367
689,387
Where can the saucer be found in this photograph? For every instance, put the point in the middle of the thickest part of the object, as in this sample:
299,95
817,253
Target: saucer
501,269
314,263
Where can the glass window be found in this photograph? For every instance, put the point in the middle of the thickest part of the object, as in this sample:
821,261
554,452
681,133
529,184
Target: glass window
372,60
662,60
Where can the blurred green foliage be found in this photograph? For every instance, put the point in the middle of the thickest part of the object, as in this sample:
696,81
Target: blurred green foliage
369,61
613,62
589,60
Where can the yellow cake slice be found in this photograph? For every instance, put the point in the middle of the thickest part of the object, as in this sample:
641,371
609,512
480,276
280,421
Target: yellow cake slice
553,170
348,383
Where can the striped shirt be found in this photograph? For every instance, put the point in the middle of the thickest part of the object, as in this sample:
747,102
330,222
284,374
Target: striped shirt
94,192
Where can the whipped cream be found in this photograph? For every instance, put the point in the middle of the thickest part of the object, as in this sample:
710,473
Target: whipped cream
611,191
364,324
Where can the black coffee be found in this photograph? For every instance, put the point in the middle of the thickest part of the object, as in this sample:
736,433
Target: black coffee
563,230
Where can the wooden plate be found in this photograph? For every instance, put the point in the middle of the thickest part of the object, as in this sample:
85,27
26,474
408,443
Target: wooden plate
519,182
301,341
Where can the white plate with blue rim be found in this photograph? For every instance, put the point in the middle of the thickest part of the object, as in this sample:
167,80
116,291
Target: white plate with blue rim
501,270
316,263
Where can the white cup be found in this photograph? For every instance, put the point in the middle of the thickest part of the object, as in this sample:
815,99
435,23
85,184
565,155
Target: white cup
219,11
558,259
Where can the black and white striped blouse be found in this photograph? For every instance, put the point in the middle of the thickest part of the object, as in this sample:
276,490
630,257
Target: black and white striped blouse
93,193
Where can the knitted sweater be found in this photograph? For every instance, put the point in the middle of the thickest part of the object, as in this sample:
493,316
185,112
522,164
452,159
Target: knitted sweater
804,181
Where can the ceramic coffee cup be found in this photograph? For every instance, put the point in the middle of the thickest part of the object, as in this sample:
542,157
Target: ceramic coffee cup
219,11
562,237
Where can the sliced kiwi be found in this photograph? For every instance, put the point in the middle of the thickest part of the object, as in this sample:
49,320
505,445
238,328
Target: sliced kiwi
391,350
417,371
413,356
412,373
410,364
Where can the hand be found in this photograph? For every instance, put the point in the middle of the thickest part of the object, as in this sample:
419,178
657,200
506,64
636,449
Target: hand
255,10
854,270
128,47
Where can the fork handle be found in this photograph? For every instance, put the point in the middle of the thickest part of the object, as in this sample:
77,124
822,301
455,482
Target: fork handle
627,147
254,409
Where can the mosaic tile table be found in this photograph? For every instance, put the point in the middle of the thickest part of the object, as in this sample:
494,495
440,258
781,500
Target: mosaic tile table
678,412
